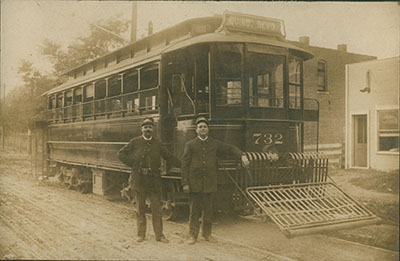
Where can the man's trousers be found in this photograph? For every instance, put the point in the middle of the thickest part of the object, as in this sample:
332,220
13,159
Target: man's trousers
155,210
200,203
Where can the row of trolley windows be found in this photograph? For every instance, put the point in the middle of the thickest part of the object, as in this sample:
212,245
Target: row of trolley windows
119,93
187,81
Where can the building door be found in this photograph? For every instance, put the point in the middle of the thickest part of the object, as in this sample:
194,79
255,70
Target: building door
360,141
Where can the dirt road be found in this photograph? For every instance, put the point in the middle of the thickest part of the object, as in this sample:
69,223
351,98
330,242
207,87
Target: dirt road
42,221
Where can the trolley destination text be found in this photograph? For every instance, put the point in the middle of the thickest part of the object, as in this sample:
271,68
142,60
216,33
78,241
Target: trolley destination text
253,24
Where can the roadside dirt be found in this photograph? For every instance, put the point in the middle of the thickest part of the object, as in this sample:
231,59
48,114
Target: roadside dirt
39,220
384,205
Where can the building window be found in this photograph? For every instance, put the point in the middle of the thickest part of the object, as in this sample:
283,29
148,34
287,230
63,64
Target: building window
322,76
388,130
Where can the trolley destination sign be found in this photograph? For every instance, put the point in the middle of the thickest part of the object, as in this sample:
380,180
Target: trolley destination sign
253,24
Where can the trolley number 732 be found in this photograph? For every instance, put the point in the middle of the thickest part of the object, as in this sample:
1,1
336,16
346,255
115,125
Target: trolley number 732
268,138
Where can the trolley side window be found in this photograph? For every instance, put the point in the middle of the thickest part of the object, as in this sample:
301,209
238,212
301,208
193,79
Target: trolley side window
78,95
113,103
100,91
52,102
77,100
130,81
59,101
130,99
88,93
228,71
149,83
114,86
295,83
68,98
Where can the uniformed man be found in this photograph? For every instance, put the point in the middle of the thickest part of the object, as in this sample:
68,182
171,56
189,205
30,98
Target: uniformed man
199,177
144,154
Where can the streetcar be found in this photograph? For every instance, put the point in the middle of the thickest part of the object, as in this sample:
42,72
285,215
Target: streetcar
237,70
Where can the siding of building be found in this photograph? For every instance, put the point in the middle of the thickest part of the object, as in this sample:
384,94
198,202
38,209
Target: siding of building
332,102
383,95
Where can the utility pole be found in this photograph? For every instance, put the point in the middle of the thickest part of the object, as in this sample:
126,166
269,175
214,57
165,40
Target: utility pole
31,107
134,21
3,106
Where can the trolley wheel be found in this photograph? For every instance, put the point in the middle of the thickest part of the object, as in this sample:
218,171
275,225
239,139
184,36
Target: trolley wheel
171,213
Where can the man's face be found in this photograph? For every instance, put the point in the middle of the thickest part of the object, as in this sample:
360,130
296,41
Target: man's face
202,129
147,130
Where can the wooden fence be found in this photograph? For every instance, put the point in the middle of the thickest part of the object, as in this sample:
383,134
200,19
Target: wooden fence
334,152
32,144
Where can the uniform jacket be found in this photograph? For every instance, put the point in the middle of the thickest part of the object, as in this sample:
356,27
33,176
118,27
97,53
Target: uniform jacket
140,153
199,163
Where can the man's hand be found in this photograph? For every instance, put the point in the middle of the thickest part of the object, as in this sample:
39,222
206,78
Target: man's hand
186,188
245,161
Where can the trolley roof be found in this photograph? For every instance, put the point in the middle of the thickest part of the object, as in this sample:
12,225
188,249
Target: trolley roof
231,27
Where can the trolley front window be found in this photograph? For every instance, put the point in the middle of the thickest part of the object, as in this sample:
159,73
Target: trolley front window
265,79
228,74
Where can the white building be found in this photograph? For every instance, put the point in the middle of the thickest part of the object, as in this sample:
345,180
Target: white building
372,114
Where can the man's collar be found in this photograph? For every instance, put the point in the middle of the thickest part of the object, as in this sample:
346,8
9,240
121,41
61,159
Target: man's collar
206,138
148,139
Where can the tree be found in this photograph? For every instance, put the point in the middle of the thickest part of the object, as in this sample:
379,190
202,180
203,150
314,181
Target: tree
25,104
96,44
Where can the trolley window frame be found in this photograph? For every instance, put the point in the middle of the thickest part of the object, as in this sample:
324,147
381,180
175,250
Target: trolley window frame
91,105
245,111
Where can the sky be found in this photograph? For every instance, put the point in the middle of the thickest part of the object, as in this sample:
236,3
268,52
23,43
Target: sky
370,28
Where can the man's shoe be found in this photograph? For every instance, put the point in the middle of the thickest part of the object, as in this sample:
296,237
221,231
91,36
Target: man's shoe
211,239
140,239
163,239
192,240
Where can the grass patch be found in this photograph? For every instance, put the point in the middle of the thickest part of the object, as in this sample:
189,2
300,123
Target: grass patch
385,182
